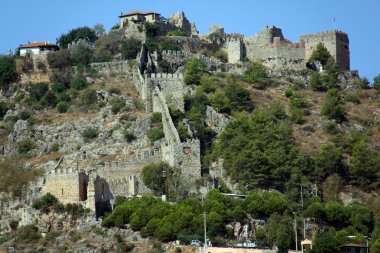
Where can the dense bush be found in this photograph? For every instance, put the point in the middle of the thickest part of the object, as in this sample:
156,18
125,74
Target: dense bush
193,71
3,109
45,203
8,72
79,83
129,136
333,107
177,32
155,134
257,72
76,34
28,234
130,48
90,133
38,90
89,97
25,146
151,30
117,105
82,55
62,107
60,59
156,117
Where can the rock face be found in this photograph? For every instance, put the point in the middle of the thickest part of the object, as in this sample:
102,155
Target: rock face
216,30
216,121
180,21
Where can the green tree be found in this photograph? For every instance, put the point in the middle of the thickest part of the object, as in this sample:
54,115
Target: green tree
257,72
329,161
376,82
153,176
332,106
239,97
193,71
79,83
38,90
320,54
130,48
60,59
332,187
365,165
337,214
76,34
82,55
8,72
325,243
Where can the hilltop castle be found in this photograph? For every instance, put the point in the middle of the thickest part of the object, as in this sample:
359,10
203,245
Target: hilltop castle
96,186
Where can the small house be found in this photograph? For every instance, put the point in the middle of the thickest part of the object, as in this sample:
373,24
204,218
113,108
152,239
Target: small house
353,248
37,48
137,17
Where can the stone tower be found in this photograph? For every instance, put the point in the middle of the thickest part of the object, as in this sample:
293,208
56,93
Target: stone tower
336,42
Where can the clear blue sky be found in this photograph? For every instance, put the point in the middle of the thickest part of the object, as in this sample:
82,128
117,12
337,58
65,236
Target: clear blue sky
22,21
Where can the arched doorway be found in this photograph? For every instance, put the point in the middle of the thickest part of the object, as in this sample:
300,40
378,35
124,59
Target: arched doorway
102,197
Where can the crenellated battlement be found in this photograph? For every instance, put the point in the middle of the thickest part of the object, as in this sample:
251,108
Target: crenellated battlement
163,76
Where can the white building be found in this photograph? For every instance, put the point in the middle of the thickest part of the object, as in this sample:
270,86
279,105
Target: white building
137,16
37,48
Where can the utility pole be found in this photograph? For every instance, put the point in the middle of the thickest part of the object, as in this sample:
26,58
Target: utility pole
304,220
295,230
205,228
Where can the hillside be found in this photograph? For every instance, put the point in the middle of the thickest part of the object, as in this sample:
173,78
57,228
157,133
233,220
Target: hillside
121,141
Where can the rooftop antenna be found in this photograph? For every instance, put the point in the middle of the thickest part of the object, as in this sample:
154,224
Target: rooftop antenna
334,23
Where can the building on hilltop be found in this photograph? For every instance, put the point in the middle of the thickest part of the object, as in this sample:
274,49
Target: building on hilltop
336,42
137,17
37,48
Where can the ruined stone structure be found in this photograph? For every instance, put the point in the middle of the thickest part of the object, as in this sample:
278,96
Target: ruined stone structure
336,42
96,185
271,47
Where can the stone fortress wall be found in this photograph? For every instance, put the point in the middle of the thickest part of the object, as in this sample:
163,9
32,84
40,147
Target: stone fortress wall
271,47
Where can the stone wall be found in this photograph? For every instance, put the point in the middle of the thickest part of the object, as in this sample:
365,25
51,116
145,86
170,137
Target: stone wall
179,58
172,87
336,42
108,69
235,49
63,184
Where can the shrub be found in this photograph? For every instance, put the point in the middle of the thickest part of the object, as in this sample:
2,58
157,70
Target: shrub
8,72
376,82
165,66
13,224
114,90
330,128
332,107
24,115
62,107
90,133
155,134
3,109
168,45
28,233
38,90
177,32
81,56
257,72
129,136
193,71
89,97
353,98
23,147
60,59
130,48
156,117
151,30
49,99
45,203
79,83
117,105
41,66
221,55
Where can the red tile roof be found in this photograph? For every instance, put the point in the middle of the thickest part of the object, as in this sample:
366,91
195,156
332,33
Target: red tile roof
138,13
38,44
